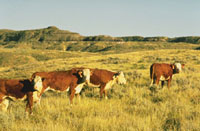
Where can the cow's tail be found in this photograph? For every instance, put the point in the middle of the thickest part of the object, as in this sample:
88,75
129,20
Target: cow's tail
152,74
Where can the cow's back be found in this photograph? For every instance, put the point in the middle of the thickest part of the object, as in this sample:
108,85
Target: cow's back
158,69
58,80
10,86
53,74
2,86
101,76
15,88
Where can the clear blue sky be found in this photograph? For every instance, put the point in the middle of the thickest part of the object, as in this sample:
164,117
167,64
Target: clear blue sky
170,18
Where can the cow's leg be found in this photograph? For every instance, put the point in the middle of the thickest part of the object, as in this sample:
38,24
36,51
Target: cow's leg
169,82
162,83
36,98
157,81
38,102
102,87
29,102
72,93
40,94
78,90
151,82
79,97
105,94
154,80
4,105
101,92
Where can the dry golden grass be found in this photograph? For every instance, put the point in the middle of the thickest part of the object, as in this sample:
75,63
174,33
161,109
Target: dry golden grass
133,106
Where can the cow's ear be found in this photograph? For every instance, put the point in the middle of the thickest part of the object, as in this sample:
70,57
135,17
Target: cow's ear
30,79
80,73
173,66
91,72
116,74
120,72
182,65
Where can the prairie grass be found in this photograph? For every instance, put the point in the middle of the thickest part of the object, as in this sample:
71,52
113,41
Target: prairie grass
134,106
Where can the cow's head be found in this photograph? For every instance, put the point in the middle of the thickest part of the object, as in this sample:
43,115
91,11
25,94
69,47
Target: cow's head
120,78
37,83
177,67
28,86
84,75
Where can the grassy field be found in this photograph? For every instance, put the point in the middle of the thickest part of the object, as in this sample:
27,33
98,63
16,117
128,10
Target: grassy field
134,106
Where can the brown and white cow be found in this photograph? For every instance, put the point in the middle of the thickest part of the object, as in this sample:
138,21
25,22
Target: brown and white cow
163,72
12,89
71,80
105,79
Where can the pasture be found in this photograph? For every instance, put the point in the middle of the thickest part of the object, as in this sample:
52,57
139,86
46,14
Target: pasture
134,106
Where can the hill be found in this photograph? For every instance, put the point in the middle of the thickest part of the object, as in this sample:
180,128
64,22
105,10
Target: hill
52,33
52,38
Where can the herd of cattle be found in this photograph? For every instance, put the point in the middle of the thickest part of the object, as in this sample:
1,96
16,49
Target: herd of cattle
73,81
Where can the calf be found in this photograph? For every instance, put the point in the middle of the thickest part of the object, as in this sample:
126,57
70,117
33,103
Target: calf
16,90
106,79
71,80
163,72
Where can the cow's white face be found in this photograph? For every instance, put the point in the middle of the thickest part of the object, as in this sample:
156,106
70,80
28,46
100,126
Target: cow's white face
86,74
120,78
79,88
36,97
178,66
38,83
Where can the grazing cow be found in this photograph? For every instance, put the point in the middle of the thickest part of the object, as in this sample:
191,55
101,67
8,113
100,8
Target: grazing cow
106,79
163,72
71,80
16,90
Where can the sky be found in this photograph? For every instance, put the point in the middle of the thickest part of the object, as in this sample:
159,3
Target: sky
171,18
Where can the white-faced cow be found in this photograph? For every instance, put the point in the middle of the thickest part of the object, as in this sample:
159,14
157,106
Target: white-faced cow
71,80
106,79
12,89
163,72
